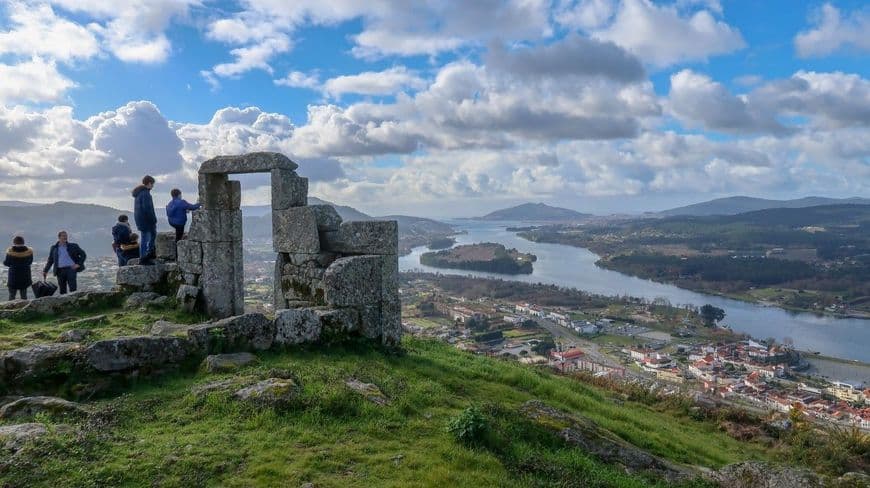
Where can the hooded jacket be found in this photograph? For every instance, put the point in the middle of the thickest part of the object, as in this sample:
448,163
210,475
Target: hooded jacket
19,259
176,210
121,233
143,209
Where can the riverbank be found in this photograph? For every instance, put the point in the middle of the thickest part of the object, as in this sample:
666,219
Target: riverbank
488,256
748,296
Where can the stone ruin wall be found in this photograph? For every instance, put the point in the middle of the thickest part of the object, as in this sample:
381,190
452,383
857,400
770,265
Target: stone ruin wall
337,277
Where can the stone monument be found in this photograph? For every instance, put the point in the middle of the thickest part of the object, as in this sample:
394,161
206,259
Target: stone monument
331,277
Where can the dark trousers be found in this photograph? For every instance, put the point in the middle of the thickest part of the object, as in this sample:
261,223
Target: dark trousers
66,278
13,291
179,232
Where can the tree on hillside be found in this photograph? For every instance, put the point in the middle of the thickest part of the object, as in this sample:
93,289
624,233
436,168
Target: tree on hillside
544,347
711,315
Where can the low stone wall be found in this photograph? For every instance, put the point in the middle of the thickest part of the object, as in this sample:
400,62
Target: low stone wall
72,366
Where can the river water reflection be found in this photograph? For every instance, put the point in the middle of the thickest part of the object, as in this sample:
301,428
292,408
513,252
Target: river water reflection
575,267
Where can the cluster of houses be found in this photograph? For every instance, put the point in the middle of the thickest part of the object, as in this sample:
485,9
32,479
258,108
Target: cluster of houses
746,371
525,310
574,359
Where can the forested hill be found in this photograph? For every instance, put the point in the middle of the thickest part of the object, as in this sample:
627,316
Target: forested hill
741,204
821,216
536,212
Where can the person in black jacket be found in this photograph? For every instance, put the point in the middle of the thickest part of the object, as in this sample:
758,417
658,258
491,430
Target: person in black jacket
18,259
130,250
146,219
120,237
68,260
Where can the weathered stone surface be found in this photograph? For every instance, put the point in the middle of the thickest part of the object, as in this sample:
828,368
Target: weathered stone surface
218,280
29,406
164,328
294,230
288,190
234,190
74,335
391,323
271,392
353,281
370,391
278,299
390,277
213,191
140,299
338,322
370,321
191,279
88,321
255,162
60,303
14,437
133,262
189,251
226,363
188,297
327,217
363,237
755,474
129,353
37,359
597,442
252,331
143,278
215,226
297,326
165,247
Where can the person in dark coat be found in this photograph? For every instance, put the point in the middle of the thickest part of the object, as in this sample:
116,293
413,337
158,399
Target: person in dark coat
176,212
68,260
146,219
18,259
130,250
120,236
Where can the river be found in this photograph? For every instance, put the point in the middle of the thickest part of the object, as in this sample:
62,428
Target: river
575,267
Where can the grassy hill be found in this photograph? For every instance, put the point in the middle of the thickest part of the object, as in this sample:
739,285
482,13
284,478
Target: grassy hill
163,432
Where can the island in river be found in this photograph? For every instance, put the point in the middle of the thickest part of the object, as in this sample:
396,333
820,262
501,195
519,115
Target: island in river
486,256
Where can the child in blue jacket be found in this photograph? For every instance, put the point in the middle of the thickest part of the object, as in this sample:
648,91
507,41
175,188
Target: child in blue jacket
176,212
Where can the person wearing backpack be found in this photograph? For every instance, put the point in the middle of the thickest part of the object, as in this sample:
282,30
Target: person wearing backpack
68,260
18,259
176,212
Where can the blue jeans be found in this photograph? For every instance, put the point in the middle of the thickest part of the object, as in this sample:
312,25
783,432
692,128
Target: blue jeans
122,261
146,243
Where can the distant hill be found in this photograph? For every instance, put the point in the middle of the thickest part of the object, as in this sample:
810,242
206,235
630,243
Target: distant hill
536,212
742,204
89,225
346,213
16,203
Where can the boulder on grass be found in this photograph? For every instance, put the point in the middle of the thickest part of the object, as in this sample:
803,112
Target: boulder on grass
14,437
29,406
273,392
226,363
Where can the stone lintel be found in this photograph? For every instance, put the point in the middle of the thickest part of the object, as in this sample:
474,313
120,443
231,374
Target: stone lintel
256,162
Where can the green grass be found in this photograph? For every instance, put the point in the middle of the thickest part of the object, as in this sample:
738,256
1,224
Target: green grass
15,334
159,433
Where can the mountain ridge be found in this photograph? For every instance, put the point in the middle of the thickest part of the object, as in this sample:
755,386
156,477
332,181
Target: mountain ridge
742,204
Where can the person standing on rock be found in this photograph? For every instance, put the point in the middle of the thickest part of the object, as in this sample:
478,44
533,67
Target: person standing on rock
18,259
176,212
68,260
146,219
120,237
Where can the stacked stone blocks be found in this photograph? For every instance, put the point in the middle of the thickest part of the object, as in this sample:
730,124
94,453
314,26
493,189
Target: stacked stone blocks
331,277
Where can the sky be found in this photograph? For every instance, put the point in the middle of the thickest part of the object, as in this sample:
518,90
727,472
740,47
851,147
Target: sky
440,108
